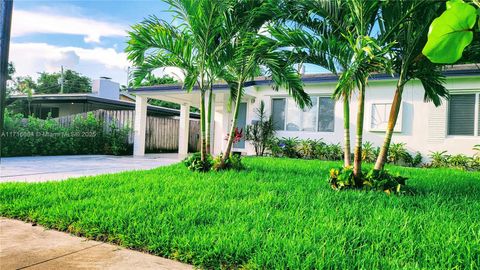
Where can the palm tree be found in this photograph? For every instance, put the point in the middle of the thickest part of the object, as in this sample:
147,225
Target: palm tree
368,56
248,51
190,46
348,25
407,23
316,38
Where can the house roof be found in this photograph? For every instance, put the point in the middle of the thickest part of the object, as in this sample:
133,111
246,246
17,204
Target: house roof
89,98
450,71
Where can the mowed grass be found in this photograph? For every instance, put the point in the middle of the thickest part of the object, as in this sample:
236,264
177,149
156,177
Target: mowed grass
278,214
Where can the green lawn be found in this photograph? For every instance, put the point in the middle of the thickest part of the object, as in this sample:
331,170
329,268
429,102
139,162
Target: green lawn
278,214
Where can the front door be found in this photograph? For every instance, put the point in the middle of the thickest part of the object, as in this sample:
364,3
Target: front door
241,124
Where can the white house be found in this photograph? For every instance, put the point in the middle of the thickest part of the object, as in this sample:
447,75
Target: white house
454,126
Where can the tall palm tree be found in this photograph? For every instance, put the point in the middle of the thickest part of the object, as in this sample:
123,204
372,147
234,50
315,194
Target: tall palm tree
369,55
315,37
348,25
410,35
190,46
248,51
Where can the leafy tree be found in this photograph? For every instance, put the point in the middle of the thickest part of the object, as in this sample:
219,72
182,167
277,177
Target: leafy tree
11,71
152,80
406,23
48,83
26,86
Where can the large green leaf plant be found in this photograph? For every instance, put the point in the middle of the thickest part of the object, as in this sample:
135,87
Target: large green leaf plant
452,32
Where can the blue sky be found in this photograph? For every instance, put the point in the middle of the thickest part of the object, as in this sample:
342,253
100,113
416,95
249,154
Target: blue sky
86,36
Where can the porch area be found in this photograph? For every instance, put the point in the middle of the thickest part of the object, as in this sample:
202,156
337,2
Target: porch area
219,125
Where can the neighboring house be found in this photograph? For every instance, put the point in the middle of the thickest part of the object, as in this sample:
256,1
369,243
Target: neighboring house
105,95
454,126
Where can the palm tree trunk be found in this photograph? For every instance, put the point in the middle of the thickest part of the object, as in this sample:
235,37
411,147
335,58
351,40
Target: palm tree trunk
203,145
346,128
392,121
234,124
357,155
209,121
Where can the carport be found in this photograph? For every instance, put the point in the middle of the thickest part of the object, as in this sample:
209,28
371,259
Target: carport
174,93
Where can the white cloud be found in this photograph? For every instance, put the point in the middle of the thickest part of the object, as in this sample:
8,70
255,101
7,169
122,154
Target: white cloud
45,21
31,58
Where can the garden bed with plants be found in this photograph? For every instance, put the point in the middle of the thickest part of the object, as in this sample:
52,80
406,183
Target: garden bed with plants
277,213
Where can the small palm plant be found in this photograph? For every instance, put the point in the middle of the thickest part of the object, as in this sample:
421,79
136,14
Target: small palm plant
369,152
439,159
477,149
397,153
261,132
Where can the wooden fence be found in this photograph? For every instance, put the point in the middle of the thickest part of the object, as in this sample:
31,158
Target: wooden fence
162,132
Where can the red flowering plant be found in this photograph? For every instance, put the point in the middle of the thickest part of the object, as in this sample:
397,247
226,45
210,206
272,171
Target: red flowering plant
238,135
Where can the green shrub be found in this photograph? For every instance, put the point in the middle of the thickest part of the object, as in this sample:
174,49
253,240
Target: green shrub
398,153
289,147
324,151
369,152
234,162
194,163
273,146
343,178
320,151
417,159
477,149
306,148
440,159
118,140
85,135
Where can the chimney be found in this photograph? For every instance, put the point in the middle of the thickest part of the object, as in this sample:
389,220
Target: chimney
104,87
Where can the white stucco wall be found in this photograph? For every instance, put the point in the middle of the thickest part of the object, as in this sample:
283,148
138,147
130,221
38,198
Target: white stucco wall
424,127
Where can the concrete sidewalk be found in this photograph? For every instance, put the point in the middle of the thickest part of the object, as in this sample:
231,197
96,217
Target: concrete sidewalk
39,169
23,246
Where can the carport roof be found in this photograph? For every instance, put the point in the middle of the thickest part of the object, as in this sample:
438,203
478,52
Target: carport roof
89,98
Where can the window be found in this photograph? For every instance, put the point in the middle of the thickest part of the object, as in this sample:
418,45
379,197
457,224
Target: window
320,117
326,115
463,115
380,116
278,113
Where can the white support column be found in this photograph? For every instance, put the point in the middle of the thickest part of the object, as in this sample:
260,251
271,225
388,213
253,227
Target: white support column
226,123
140,126
183,132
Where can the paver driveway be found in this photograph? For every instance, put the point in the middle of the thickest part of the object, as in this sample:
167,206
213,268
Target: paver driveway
38,169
